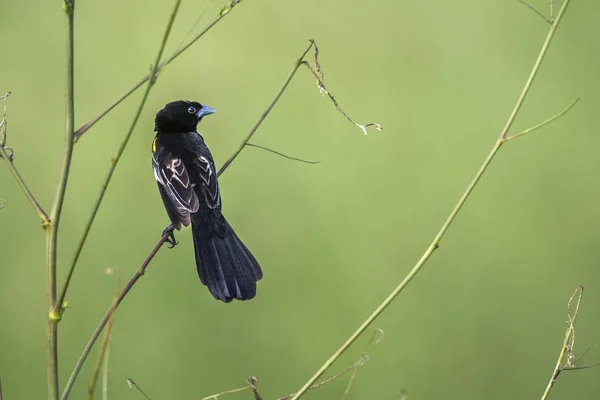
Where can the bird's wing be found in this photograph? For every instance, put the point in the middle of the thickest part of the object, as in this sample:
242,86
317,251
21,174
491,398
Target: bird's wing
208,174
175,186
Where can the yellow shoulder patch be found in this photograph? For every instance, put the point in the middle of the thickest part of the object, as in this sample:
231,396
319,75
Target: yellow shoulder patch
154,145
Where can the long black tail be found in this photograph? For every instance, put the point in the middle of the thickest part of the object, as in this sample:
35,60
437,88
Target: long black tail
225,264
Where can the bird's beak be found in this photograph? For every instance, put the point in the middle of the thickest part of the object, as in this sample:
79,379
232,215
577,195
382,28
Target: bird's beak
205,110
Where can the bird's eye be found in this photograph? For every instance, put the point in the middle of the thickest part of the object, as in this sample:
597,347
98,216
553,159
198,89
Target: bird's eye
192,110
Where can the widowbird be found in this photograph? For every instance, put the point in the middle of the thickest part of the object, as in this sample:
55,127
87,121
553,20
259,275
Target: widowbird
187,180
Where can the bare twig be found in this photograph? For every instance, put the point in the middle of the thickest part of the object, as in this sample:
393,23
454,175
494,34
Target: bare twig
543,123
7,154
252,383
132,384
222,13
318,73
586,351
582,367
3,122
284,155
58,304
359,363
566,357
105,374
532,8
436,241
1,397
217,395
267,111
377,337
102,360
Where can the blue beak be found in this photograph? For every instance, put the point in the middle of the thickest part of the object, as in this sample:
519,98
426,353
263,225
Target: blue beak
205,110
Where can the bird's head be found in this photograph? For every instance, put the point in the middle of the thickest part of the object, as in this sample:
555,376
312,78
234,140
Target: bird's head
180,116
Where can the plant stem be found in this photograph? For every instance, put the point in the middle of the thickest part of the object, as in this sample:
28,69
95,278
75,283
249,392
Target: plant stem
102,360
57,205
265,113
535,70
36,205
107,317
543,123
58,304
435,244
84,128
567,343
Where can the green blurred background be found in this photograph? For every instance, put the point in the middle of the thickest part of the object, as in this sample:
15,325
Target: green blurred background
484,319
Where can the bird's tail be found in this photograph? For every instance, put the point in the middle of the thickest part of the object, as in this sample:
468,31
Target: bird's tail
225,264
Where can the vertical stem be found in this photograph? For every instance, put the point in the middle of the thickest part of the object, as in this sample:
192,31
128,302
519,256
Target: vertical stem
52,226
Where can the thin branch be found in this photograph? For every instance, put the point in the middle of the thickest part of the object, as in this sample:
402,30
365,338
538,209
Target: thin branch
586,351
566,352
217,395
318,73
377,337
544,123
582,367
102,360
1,397
532,8
252,383
436,241
36,205
222,13
58,305
284,155
264,115
105,374
534,71
3,122
360,362
88,347
132,384
350,382
13,169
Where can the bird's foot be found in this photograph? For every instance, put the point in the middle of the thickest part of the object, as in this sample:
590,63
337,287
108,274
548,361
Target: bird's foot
171,238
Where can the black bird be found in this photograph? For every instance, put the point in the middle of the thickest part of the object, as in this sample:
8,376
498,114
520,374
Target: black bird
187,181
